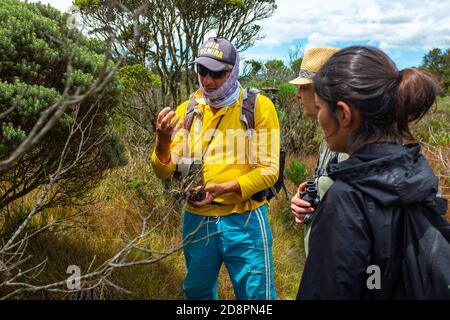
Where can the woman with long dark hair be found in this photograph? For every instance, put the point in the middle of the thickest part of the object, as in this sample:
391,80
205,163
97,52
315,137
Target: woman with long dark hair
357,244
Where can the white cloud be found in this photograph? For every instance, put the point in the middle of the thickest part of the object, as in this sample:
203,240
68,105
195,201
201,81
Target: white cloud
391,24
405,24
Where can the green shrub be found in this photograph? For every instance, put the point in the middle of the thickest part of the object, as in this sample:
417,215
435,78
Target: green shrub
137,77
36,47
286,89
141,98
297,172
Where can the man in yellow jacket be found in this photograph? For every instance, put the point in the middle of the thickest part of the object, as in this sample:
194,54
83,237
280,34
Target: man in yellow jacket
232,227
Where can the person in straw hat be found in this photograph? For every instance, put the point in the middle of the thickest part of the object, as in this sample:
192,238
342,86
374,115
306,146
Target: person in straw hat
313,60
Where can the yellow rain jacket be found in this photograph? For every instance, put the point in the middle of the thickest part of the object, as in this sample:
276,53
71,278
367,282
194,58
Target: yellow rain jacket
228,157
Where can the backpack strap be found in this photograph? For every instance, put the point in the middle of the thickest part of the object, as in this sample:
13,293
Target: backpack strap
248,120
248,108
189,116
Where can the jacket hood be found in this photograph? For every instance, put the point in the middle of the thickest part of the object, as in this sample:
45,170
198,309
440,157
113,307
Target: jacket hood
393,174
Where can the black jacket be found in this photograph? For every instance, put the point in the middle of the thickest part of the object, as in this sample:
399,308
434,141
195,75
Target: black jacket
360,223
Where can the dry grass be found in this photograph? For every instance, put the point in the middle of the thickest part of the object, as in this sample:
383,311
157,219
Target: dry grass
439,159
114,217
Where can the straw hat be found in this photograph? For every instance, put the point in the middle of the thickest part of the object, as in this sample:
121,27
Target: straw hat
312,61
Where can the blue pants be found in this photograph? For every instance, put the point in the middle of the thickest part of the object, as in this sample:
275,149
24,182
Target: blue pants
242,241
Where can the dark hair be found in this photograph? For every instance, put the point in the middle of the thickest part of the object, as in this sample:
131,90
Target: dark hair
367,79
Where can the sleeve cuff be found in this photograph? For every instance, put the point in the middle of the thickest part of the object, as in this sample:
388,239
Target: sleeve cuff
244,183
162,170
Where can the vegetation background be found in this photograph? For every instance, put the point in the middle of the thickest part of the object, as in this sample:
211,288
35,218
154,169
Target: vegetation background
113,184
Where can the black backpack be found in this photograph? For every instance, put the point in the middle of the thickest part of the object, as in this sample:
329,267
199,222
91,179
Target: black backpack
426,252
248,122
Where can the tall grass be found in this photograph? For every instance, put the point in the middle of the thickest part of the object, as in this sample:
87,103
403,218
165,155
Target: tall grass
113,217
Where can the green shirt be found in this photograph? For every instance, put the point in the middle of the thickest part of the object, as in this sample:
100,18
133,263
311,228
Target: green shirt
323,182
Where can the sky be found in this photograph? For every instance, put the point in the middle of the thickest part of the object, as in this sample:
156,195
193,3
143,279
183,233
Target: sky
405,29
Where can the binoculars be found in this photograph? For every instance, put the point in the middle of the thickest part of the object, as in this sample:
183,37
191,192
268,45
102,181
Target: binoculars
310,195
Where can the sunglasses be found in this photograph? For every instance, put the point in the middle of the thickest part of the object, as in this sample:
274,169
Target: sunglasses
203,71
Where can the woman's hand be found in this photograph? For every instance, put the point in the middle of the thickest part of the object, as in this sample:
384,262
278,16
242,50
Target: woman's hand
299,207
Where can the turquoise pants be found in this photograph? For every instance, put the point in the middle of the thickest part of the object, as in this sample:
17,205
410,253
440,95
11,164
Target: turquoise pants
243,242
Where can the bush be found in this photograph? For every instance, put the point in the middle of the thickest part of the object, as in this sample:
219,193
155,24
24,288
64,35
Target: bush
438,62
286,90
297,172
140,107
299,133
35,49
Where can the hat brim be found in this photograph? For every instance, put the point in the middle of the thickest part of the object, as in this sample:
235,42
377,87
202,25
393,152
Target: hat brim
210,63
300,81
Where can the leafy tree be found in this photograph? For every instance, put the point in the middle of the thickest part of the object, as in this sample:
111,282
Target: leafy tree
139,108
42,62
295,57
295,64
437,61
173,30
277,71
298,133
272,73
252,69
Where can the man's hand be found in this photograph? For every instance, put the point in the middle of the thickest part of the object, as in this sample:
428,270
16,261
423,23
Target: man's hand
299,207
214,190
167,124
